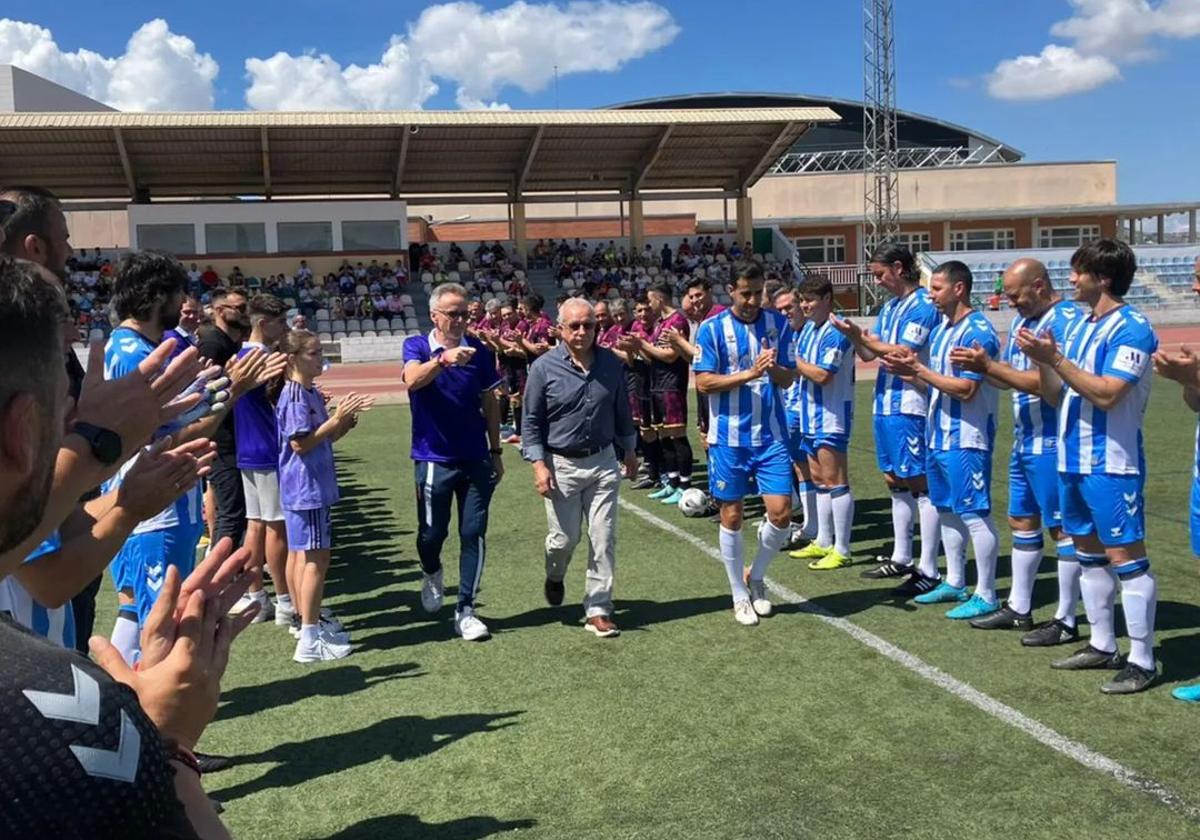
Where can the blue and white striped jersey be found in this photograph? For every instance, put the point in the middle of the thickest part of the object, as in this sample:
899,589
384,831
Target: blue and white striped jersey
955,423
824,409
125,350
1090,439
906,321
751,414
56,624
1035,423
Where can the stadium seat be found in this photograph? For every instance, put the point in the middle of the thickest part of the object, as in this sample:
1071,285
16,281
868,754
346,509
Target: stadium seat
369,334
325,337
497,286
454,277
385,333
338,325
413,332
354,334
464,267
338,336
411,323
427,278
382,323
361,290
410,312
486,296
519,274
324,326
406,300
322,315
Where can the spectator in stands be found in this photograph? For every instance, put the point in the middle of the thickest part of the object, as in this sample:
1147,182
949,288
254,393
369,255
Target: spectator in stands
735,251
401,274
194,282
304,273
210,278
666,256
455,254
719,248
748,250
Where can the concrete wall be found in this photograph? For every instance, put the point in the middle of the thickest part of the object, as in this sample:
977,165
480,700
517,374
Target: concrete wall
21,90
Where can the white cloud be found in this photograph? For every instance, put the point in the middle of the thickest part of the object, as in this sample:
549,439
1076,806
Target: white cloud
1057,71
480,51
1105,34
159,70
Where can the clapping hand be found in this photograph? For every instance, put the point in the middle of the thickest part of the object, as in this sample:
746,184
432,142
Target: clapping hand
160,475
764,362
848,328
1181,367
458,356
902,363
973,358
1040,348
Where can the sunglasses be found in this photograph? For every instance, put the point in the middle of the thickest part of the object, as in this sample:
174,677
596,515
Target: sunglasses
454,314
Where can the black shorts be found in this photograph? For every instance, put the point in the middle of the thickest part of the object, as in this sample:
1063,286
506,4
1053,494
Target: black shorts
226,482
702,412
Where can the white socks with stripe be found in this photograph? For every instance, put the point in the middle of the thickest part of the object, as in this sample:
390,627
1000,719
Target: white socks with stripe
930,530
824,518
904,513
1139,598
126,638
731,556
808,504
770,540
1069,571
1098,583
842,502
986,543
1026,557
954,540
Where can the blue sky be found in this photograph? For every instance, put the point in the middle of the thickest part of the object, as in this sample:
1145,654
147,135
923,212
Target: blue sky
1125,70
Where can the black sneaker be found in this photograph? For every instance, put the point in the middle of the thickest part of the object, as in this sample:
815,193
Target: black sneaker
917,584
1053,632
887,569
644,483
1089,659
554,590
1130,680
1005,618
213,763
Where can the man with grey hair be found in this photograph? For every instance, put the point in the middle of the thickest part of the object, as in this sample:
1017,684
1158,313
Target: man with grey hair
456,449
575,410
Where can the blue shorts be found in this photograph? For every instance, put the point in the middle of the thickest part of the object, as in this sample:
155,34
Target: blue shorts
1109,506
1033,487
960,480
1195,518
308,530
730,469
900,444
796,448
141,564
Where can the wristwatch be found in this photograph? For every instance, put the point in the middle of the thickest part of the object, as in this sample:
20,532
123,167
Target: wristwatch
106,444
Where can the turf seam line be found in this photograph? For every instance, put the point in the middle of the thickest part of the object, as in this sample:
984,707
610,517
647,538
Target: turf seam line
1074,750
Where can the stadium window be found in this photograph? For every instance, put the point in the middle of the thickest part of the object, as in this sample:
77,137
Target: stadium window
983,240
170,239
235,238
376,235
300,237
1067,237
916,241
816,250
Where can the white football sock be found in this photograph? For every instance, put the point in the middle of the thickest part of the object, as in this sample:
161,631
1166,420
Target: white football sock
930,531
808,504
126,638
904,513
308,634
1139,597
731,556
824,518
954,540
842,501
1098,584
770,540
986,544
1026,557
1069,571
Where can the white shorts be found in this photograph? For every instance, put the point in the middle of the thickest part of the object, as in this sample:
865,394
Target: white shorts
262,495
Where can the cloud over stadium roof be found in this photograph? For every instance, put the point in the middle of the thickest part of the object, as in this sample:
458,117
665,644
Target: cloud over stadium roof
924,141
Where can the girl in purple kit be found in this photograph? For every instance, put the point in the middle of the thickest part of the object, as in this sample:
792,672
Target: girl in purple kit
308,485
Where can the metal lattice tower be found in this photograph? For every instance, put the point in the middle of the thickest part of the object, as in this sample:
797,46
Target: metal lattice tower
881,204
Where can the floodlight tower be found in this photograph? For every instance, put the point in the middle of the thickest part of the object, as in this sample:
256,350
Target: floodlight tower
881,195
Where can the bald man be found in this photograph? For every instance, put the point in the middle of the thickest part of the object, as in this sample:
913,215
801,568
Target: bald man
1033,503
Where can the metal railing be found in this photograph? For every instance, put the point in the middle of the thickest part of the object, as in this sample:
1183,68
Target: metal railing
907,157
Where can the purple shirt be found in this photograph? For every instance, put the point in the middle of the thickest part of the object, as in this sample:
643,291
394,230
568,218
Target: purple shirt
182,341
256,433
448,424
308,481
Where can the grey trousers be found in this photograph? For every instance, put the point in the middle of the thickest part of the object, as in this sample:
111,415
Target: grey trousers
586,491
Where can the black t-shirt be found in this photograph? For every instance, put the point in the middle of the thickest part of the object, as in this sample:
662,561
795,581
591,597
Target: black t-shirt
80,757
219,348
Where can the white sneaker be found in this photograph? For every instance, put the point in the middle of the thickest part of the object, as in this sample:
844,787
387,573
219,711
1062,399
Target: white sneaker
283,614
743,613
432,592
333,629
328,619
266,609
334,637
758,598
468,625
321,650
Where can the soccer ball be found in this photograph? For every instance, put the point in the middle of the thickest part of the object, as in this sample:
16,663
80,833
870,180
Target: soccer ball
693,502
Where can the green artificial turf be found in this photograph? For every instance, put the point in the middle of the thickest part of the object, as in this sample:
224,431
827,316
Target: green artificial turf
688,725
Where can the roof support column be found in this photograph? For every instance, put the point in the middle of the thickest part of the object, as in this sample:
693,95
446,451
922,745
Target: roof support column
1192,226
1162,229
745,220
1035,233
517,230
1132,225
637,227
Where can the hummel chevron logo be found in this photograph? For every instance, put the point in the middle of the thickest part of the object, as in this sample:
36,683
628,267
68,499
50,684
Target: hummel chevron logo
154,577
1115,530
977,480
83,706
914,445
1131,505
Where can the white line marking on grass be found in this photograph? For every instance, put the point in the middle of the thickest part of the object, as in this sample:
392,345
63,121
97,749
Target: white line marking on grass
1073,750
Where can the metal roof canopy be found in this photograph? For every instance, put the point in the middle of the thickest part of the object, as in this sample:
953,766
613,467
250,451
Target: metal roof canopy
478,156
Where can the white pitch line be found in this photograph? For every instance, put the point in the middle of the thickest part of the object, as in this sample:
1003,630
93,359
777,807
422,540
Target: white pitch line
1073,750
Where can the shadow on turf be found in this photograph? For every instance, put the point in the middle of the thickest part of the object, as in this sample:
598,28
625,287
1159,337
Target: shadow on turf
400,738
327,682
408,827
